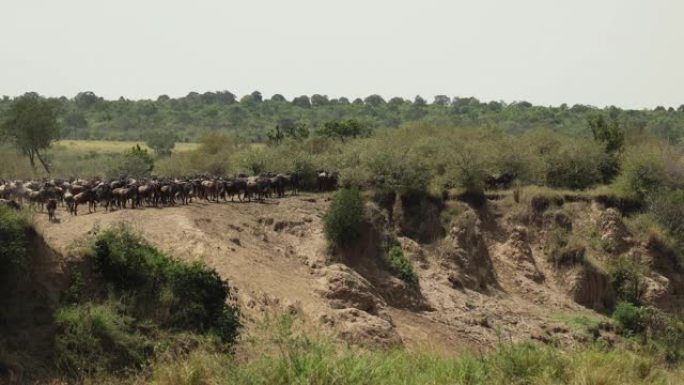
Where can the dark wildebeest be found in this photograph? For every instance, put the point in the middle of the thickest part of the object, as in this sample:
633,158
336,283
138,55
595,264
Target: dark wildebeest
327,181
87,196
51,208
103,194
278,183
293,180
123,194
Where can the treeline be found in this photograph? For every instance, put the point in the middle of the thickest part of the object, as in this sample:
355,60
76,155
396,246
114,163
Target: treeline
253,117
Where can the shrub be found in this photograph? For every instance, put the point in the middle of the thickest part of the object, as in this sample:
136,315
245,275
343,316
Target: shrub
401,266
13,240
190,297
98,338
628,317
574,164
625,275
123,259
397,170
199,302
647,169
135,163
667,206
344,218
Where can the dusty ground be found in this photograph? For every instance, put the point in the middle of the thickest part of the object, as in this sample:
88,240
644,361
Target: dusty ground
275,255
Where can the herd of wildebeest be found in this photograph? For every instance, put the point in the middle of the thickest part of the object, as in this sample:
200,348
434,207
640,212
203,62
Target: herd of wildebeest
151,192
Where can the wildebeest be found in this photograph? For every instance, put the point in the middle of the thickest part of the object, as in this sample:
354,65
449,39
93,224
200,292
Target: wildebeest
51,208
87,196
327,181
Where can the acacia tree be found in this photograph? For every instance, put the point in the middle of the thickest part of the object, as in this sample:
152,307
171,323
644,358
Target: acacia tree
31,123
161,142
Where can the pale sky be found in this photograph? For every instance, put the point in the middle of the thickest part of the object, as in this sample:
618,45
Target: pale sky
628,53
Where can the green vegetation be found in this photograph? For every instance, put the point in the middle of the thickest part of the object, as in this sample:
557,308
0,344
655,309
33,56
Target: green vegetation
94,339
13,240
127,305
173,294
135,163
88,116
30,122
625,274
401,266
345,218
308,359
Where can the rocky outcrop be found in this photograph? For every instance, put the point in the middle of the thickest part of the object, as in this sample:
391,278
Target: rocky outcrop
465,255
417,216
591,287
358,314
517,250
614,234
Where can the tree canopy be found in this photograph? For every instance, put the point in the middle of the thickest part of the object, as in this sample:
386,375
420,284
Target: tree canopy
31,124
253,116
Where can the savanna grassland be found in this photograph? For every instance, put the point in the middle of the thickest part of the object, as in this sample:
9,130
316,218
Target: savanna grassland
468,243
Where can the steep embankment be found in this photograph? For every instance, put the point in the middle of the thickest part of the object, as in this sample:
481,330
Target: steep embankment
493,274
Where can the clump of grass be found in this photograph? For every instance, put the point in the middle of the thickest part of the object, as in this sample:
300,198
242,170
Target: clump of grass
401,266
95,339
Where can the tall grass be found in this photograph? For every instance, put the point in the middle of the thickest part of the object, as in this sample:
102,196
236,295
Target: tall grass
319,360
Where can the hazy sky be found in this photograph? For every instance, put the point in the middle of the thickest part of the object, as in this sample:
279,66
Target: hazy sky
628,53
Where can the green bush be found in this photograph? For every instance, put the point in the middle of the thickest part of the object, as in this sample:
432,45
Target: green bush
199,302
135,163
667,206
98,338
625,275
628,317
649,168
190,297
401,266
575,164
13,240
344,218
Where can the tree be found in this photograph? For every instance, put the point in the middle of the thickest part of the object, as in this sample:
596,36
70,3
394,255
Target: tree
161,142
343,130
302,101
608,133
396,101
225,97
374,100
318,100
31,123
441,100
288,128
278,98
135,163
612,137
87,99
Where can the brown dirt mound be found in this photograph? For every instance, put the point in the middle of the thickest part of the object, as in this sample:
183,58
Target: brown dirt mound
465,255
360,315
614,233
517,249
